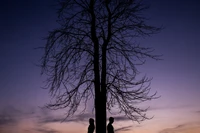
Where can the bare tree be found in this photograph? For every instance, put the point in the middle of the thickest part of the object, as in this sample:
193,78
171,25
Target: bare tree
94,55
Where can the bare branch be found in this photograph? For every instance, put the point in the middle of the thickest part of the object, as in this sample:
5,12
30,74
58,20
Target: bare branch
94,50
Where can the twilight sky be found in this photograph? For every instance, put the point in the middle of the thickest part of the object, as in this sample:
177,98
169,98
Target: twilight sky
24,24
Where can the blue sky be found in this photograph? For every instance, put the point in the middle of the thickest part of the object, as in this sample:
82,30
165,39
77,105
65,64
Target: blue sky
176,78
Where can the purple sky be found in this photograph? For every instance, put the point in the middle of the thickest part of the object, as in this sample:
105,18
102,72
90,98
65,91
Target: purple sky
24,24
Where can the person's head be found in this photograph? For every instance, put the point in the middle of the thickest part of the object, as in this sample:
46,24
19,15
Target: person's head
111,119
91,121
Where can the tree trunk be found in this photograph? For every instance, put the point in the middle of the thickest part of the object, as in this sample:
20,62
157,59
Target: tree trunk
98,97
100,92
100,89
103,89
100,100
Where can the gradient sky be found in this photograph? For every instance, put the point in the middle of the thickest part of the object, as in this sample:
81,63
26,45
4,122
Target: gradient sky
24,24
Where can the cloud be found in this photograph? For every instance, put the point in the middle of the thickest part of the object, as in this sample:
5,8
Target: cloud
183,128
77,118
198,112
125,128
121,118
9,115
46,130
5,120
152,108
47,117
84,117
13,111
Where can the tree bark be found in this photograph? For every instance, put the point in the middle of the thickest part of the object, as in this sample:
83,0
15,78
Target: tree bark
103,89
100,107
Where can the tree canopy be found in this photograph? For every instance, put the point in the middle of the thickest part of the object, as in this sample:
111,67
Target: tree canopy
94,55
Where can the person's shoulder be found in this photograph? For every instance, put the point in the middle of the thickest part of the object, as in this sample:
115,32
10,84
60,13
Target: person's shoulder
109,126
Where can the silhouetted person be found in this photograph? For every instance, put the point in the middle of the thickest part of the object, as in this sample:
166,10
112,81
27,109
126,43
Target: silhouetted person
110,128
91,127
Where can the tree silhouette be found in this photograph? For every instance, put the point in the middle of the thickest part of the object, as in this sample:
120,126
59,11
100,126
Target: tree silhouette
93,55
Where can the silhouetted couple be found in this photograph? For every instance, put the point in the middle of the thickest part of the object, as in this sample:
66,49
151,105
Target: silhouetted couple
110,128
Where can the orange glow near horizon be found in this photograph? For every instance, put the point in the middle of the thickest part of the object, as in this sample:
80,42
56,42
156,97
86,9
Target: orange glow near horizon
151,126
